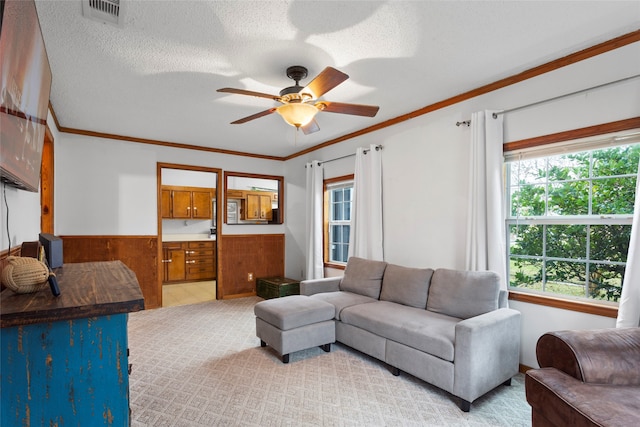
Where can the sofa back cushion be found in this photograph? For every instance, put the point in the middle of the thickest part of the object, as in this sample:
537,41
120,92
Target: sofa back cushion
363,276
407,286
463,294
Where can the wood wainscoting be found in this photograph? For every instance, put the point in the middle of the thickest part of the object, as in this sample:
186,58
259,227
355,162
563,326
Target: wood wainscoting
139,253
259,254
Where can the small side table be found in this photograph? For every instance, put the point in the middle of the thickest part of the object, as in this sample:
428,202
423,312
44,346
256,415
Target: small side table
276,287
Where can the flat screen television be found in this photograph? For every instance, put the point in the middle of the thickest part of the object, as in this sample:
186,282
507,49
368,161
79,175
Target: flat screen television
25,85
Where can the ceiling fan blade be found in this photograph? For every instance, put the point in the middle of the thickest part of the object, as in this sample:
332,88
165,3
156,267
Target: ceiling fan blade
310,127
354,109
254,116
248,92
324,82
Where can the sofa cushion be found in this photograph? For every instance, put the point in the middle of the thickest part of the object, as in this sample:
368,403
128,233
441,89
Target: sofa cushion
363,276
404,285
342,299
432,333
463,294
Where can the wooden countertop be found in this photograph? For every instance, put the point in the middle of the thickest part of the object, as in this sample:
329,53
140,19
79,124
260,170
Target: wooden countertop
88,289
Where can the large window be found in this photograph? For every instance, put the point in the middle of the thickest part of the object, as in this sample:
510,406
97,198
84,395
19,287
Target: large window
569,221
338,197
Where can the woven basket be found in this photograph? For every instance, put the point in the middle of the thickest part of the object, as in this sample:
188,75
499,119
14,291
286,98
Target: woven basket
24,275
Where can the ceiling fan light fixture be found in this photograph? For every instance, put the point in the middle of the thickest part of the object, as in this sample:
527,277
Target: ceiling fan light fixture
297,114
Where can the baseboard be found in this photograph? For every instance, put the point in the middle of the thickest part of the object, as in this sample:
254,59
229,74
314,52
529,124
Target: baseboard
524,368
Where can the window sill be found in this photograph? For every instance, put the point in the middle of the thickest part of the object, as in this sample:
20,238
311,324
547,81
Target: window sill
573,305
333,265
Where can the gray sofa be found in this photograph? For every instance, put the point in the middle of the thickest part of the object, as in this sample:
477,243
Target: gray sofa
449,328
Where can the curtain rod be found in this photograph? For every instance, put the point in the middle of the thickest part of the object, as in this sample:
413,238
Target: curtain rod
495,115
566,95
377,147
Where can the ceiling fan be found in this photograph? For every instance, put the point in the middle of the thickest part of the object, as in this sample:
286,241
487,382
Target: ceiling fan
301,104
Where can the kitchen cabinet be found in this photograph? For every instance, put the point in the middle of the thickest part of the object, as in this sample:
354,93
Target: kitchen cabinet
186,202
166,203
174,262
258,206
200,260
189,261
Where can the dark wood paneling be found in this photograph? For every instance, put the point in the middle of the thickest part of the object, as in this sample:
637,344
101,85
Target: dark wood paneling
260,254
139,253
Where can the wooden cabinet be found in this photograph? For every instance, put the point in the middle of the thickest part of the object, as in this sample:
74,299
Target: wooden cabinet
173,260
257,206
187,261
201,204
200,260
186,202
166,203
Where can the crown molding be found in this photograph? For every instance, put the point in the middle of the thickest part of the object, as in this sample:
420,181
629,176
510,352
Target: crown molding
590,52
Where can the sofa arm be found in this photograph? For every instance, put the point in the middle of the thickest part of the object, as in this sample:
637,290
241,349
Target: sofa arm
487,352
601,356
558,399
316,286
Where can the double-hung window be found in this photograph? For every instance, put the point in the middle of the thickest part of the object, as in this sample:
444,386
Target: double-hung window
569,218
338,197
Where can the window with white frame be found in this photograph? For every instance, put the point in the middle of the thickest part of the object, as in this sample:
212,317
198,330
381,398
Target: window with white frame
569,218
339,197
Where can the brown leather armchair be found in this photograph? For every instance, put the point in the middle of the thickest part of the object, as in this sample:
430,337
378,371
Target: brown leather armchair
586,378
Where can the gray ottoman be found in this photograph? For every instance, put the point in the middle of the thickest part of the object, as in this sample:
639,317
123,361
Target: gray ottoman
295,323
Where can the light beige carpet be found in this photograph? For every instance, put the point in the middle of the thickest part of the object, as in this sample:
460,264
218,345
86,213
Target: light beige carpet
202,365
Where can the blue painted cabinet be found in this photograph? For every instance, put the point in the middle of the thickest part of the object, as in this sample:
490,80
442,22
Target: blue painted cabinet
66,362
66,373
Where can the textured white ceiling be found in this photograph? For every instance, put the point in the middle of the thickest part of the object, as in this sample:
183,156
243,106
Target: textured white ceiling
156,76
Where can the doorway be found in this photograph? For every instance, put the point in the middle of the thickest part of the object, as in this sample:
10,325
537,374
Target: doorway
189,200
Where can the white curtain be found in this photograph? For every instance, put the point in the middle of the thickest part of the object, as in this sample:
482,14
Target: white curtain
485,228
365,238
315,175
629,308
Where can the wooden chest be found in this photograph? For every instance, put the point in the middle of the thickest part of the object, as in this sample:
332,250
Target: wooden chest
275,287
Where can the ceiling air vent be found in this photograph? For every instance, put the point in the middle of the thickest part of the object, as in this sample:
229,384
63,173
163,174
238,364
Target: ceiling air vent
105,11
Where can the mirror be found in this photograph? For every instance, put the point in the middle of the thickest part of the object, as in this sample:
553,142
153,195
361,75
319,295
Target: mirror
253,199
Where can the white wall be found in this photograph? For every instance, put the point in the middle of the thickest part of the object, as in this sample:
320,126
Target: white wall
108,187
23,211
425,178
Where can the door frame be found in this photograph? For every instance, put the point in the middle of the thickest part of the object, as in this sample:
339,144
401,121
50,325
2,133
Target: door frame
219,197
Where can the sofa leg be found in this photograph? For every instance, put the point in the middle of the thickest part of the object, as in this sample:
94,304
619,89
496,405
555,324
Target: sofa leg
326,347
285,358
394,371
507,382
263,344
465,405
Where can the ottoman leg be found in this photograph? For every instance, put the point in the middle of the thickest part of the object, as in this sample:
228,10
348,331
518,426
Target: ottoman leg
263,344
285,358
326,347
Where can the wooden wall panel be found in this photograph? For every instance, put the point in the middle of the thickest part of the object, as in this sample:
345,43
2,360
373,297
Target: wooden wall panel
260,254
139,253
